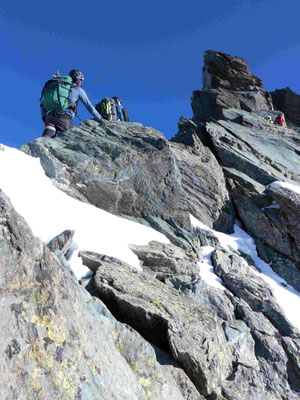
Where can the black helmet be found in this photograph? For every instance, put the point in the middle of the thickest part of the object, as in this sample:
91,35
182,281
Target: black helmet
75,74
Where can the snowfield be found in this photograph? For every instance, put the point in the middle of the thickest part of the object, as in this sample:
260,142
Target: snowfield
49,211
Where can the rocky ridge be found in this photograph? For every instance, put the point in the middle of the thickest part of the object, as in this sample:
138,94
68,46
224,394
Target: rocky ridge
165,332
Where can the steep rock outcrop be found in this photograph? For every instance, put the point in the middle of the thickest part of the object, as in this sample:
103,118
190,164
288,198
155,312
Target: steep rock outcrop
227,83
288,202
58,341
254,154
288,102
131,170
197,336
221,70
202,178
123,168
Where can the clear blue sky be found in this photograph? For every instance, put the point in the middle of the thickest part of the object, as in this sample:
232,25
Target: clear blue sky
150,54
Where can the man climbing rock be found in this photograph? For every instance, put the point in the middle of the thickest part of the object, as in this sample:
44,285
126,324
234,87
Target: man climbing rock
57,113
280,119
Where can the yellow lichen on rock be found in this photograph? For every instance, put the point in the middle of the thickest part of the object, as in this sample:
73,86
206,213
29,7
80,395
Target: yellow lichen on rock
145,382
57,333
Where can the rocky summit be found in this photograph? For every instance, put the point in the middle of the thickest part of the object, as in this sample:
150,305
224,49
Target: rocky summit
164,332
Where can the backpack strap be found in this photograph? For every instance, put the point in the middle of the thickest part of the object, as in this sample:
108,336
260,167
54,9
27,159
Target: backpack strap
42,94
59,96
43,91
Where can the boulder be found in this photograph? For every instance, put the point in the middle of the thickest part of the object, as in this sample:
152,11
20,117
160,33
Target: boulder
188,327
166,260
124,168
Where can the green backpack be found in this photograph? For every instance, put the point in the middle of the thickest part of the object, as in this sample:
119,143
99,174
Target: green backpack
56,92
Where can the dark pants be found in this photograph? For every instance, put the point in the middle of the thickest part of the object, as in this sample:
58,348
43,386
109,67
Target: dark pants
56,121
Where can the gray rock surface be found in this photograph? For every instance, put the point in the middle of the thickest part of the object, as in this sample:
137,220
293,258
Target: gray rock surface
202,179
260,365
166,260
163,333
244,282
221,70
289,215
62,242
123,168
192,333
213,298
210,104
188,390
58,341
227,83
288,102
253,154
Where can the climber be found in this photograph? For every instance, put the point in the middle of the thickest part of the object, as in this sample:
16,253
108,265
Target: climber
119,107
279,120
111,109
122,113
59,120
269,119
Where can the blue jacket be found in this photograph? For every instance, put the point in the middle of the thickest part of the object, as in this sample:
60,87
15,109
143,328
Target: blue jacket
120,115
76,94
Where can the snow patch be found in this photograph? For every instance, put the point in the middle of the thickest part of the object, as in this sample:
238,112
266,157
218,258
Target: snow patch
49,211
286,296
286,185
207,269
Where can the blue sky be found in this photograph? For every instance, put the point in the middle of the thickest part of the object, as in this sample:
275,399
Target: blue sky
149,54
